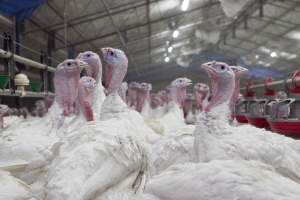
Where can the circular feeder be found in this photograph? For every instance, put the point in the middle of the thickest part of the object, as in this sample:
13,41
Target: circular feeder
21,81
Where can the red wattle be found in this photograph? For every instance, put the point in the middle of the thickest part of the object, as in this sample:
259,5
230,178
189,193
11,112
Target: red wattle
107,75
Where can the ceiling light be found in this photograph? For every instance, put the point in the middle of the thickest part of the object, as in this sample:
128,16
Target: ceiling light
167,59
294,35
175,33
273,54
291,57
264,49
260,62
170,49
185,5
256,56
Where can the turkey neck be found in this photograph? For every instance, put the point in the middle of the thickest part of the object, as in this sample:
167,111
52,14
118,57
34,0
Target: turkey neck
97,71
200,98
1,121
236,89
118,73
215,118
143,97
222,91
235,95
178,95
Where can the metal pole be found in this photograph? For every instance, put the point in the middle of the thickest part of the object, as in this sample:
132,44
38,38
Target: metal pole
32,63
274,83
120,35
65,28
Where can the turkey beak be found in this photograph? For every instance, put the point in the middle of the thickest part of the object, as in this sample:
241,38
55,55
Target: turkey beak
239,69
208,68
188,82
82,64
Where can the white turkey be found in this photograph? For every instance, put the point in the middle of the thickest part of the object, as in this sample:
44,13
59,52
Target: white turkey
216,139
35,142
220,180
3,110
95,71
173,119
106,155
12,188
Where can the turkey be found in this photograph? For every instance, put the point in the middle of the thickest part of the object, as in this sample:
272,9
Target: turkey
220,180
174,118
3,110
201,94
215,139
40,109
103,156
132,98
95,71
162,109
85,97
188,109
12,188
123,91
143,105
238,71
35,141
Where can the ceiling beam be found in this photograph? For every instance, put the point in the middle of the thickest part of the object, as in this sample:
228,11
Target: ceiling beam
274,38
139,25
55,10
95,15
149,29
121,38
247,11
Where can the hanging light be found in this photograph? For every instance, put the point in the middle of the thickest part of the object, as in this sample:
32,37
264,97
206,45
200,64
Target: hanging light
170,49
273,54
185,5
175,33
167,59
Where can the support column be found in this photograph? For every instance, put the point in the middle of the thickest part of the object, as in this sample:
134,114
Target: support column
71,52
19,27
50,48
19,33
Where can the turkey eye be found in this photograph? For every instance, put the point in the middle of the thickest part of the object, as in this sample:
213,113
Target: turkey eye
69,64
88,55
111,53
222,67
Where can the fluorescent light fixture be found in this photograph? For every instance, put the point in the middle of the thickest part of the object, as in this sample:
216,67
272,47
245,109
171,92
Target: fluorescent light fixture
170,49
185,5
175,33
287,55
273,54
264,49
294,35
167,59
291,57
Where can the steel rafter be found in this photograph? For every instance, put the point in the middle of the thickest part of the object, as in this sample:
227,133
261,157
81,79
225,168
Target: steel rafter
139,25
